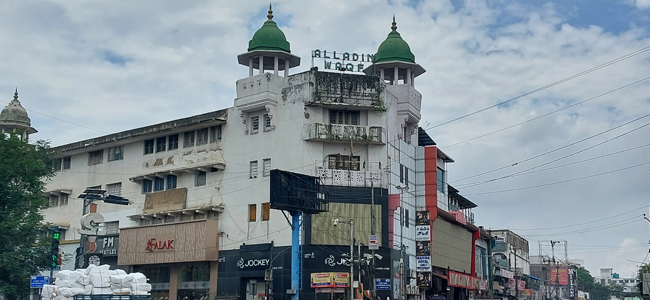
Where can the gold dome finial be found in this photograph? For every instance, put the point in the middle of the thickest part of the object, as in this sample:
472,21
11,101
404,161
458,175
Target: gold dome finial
394,27
270,15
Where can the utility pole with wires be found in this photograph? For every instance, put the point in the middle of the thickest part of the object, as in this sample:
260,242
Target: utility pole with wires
401,241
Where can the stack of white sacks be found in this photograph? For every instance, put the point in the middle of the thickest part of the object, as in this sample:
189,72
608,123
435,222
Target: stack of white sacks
95,281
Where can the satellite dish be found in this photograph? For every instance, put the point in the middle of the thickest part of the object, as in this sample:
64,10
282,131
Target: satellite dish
91,221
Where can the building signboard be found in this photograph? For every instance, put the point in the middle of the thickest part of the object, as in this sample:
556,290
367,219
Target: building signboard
107,245
423,263
423,232
169,243
463,281
382,284
37,282
559,274
346,61
507,274
373,243
424,279
330,280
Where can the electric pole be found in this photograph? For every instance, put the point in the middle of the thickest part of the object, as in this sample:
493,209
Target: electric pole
373,284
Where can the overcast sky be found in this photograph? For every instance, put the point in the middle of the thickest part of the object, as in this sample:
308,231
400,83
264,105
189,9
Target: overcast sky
576,170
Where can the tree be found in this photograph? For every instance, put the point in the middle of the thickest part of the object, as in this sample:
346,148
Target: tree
617,290
23,170
584,279
600,291
642,269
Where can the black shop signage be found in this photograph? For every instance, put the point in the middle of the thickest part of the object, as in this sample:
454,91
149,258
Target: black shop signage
107,245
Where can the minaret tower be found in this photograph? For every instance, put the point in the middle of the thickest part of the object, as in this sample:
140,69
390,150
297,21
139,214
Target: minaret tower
14,120
395,64
269,50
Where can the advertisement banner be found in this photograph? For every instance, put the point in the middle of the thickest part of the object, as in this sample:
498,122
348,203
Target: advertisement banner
521,285
341,279
422,217
423,248
329,280
463,281
423,263
559,273
508,274
423,232
424,279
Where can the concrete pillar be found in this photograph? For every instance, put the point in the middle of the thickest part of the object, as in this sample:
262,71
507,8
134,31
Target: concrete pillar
395,75
408,76
381,74
286,68
173,282
276,65
261,64
214,273
250,67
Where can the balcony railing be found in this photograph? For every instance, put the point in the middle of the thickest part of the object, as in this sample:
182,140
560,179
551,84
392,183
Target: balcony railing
343,133
349,178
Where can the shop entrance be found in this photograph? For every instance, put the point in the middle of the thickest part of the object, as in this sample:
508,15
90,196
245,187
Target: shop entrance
255,288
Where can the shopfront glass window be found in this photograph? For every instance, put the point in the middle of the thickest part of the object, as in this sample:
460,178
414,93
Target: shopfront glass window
159,280
194,281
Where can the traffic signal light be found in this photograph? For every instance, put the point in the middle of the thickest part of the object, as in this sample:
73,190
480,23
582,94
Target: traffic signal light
59,258
54,250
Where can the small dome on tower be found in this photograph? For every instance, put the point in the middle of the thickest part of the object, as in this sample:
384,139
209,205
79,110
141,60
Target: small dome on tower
394,48
269,37
15,114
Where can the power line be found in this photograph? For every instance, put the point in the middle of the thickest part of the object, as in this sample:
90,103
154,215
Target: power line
611,62
560,182
578,224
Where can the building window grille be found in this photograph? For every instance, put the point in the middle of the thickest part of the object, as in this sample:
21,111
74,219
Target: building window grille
56,164
171,181
343,162
253,169
114,189
148,146
215,133
173,142
201,178
266,167
158,184
95,157
202,136
255,124
63,199
188,139
146,186
267,122
161,144
116,153
67,162
345,117
54,201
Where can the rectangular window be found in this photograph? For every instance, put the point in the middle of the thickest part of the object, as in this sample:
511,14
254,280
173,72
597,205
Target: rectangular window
255,124
171,181
173,142
148,146
66,162
201,178
56,164
266,211
346,117
267,122
146,186
95,157
406,218
252,212
406,176
266,167
202,136
401,173
63,199
188,139
158,184
112,227
161,144
441,180
253,169
342,162
54,201
215,133
116,153
114,189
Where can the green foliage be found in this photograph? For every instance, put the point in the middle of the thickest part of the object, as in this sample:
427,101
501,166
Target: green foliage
617,290
585,279
600,291
643,269
23,169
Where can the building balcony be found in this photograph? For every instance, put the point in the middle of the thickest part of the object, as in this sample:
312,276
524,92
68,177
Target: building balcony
344,90
349,178
256,92
409,101
318,132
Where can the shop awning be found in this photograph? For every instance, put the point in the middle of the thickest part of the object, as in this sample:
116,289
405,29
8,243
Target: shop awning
533,277
443,276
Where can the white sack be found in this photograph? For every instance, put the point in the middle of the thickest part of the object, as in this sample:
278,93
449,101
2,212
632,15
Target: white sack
139,293
120,272
105,267
70,292
61,298
102,291
138,277
121,291
88,289
120,279
141,287
100,279
63,274
48,291
62,282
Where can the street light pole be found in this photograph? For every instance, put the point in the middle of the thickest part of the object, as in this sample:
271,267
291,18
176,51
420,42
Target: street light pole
351,258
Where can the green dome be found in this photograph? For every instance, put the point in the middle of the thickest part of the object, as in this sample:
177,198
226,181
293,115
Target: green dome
394,48
269,37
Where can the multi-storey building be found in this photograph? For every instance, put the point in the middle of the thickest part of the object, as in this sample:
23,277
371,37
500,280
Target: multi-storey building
200,223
